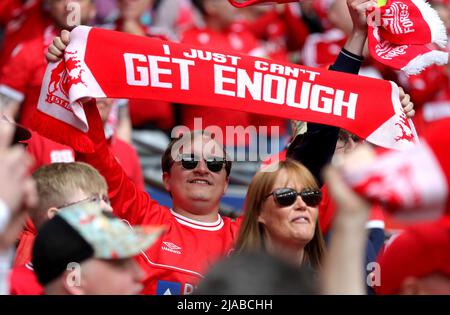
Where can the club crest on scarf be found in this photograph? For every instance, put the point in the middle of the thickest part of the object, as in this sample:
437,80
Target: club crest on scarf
66,74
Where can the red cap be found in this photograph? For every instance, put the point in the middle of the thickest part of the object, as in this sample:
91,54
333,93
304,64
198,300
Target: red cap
416,252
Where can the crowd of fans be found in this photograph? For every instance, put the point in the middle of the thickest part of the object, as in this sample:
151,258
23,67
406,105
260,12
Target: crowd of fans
83,223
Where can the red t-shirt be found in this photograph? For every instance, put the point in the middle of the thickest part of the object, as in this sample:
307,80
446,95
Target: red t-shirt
180,258
21,76
46,151
129,160
23,281
22,22
7,10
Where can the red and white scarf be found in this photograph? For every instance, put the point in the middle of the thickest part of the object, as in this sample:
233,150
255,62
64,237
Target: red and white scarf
413,184
407,36
101,63
246,3
402,34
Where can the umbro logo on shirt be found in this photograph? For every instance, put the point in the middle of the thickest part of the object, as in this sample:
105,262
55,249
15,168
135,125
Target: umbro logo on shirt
171,247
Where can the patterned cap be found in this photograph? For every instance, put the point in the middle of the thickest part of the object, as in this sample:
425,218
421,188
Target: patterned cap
85,230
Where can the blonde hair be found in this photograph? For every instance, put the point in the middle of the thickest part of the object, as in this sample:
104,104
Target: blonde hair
251,235
56,182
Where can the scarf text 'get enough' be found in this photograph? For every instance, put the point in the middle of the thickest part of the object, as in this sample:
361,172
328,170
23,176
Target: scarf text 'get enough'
101,63
264,84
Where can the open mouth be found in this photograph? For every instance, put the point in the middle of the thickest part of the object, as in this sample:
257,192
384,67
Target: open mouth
199,181
301,219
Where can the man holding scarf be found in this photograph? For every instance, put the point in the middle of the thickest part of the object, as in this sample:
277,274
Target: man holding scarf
197,235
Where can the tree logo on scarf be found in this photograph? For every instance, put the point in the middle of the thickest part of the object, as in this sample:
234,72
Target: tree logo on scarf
66,74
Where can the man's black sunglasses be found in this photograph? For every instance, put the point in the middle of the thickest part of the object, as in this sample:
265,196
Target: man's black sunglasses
190,162
286,197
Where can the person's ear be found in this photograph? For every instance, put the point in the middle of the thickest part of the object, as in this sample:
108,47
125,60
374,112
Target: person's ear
71,286
225,186
51,212
262,218
166,181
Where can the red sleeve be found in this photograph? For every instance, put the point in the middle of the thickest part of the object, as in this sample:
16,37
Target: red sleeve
129,160
127,200
138,178
7,8
16,73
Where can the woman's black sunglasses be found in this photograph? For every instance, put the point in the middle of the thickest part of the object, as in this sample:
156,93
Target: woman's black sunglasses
190,162
285,197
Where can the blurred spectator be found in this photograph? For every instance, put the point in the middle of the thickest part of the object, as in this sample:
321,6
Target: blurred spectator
17,195
257,274
417,261
21,21
21,76
106,10
176,15
281,215
85,250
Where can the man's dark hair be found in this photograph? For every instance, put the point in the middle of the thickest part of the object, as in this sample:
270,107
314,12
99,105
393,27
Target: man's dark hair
257,274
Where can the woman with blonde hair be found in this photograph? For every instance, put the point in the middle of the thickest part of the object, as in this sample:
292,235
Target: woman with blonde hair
281,215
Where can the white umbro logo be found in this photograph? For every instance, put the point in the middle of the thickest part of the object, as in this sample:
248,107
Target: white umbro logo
171,247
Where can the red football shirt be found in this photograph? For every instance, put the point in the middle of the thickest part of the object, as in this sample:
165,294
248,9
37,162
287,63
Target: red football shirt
21,76
180,258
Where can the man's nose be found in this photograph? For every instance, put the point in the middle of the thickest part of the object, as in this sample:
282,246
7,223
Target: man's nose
201,167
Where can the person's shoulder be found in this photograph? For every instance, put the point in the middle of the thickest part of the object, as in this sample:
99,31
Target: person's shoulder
233,223
24,281
27,51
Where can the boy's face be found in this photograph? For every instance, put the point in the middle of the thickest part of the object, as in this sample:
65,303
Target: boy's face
111,277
